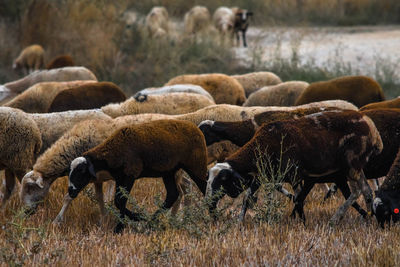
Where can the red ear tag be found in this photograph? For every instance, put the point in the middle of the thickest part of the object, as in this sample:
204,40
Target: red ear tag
396,210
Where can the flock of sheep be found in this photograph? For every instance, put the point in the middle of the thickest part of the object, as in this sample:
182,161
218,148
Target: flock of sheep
63,121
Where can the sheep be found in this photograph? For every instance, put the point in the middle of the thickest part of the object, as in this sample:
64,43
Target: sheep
241,23
20,144
38,98
224,21
321,145
176,88
173,103
157,148
196,20
253,81
220,150
386,203
359,90
56,75
30,59
157,22
60,62
392,103
87,96
283,94
224,89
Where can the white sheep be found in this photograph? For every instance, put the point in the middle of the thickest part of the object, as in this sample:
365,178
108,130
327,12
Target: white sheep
157,22
224,21
196,20
176,88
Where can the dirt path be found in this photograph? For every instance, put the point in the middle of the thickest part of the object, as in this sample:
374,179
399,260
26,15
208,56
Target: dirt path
363,48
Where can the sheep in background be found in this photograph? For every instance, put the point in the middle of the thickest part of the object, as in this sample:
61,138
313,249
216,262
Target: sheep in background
11,89
87,96
283,94
359,90
392,103
60,62
173,103
20,143
38,98
223,88
241,23
157,22
30,59
176,88
253,81
224,21
154,149
196,20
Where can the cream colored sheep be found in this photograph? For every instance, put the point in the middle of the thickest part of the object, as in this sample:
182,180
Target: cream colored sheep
224,21
283,94
224,89
38,98
196,20
253,81
157,22
173,103
30,59
176,88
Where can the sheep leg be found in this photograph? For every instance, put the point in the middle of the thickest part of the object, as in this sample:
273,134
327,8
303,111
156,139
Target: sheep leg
355,192
344,188
172,194
299,201
244,38
60,216
8,186
249,199
366,191
331,190
120,200
98,188
376,183
281,189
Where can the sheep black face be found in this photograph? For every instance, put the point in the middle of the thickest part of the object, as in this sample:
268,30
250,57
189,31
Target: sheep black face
386,207
222,178
82,172
210,131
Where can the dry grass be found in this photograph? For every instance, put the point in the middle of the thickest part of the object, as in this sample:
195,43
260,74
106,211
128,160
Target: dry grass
82,241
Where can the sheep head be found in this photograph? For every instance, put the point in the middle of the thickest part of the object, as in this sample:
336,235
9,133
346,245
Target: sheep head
82,173
386,206
33,189
206,127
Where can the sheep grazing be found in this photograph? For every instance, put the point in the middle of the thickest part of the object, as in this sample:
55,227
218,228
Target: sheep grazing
320,145
224,89
283,94
386,205
224,21
38,98
176,88
30,59
359,90
196,20
153,149
173,103
392,103
56,75
87,96
60,62
241,23
20,144
157,22
253,81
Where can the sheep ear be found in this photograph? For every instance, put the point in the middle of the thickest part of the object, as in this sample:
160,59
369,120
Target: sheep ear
39,182
250,13
91,168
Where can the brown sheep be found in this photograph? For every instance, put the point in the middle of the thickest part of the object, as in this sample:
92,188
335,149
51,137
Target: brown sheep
241,23
392,103
30,59
60,62
153,149
322,146
38,98
253,81
359,90
87,96
283,94
196,20
223,88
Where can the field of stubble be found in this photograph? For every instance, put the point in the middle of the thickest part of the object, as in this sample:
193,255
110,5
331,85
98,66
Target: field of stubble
83,240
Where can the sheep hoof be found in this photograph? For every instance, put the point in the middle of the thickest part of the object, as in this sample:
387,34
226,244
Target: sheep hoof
119,228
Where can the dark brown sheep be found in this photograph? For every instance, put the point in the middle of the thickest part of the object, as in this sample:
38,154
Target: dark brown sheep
359,90
392,103
60,62
87,96
153,149
321,146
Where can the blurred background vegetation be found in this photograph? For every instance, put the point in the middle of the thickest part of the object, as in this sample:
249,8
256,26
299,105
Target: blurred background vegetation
97,35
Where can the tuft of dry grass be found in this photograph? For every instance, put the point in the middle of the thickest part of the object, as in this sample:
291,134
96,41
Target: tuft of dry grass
83,241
